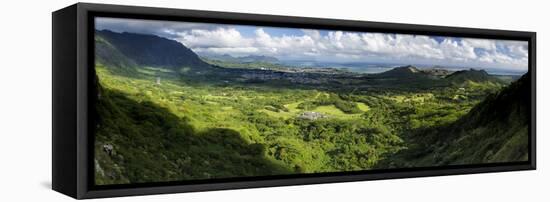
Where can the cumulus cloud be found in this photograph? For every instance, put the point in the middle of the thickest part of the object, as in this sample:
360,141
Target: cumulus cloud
333,46
217,38
169,29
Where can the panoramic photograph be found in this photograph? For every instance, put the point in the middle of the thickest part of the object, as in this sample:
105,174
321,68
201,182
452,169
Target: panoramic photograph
182,101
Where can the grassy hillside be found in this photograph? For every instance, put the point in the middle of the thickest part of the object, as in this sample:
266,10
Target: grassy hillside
153,130
152,144
172,122
495,130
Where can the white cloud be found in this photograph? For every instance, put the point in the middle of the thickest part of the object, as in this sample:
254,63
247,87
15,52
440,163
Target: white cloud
517,49
455,50
168,29
480,43
334,45
220,38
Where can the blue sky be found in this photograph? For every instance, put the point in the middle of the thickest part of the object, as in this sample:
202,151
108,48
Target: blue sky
332,45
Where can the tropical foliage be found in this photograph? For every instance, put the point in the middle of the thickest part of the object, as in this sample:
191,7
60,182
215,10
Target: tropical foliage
172,117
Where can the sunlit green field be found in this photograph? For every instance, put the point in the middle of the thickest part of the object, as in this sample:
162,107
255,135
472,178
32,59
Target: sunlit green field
355,130
165,113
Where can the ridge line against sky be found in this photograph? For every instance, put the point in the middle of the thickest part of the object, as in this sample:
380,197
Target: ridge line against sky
331,45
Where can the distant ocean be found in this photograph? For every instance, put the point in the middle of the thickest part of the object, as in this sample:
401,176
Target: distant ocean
373,68
363,68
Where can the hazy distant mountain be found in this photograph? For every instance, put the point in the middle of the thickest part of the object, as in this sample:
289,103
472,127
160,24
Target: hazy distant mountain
149,50
258,58
243,59
224,57
135,50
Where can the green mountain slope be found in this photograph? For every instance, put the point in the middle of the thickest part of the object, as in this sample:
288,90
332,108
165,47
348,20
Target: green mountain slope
142,142
106,53
151,50
165,115
471,75
403,73
495,130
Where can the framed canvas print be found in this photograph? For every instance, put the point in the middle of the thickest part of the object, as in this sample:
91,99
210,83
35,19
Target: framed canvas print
154,100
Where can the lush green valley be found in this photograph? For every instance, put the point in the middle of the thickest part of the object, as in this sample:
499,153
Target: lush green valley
166,115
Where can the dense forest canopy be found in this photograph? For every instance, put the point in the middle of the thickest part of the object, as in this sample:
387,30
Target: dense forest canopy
166,114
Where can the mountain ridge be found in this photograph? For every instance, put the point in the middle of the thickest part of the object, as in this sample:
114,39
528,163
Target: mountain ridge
407,71
471,75
152,50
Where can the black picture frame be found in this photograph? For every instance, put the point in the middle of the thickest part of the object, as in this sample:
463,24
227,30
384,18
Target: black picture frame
73,100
